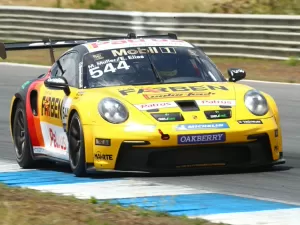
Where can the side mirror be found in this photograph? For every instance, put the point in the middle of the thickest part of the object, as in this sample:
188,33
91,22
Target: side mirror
236,74
41,76
59,83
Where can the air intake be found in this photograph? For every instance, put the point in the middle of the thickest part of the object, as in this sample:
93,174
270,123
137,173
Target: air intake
188,105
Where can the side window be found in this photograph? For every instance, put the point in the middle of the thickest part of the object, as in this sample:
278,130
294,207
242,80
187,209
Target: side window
70,68
55,71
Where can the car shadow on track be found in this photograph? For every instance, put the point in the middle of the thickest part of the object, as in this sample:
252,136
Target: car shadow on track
203,172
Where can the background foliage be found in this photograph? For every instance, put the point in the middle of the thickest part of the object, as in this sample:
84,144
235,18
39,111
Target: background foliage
258,7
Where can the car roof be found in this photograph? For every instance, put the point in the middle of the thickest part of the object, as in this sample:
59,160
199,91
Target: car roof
137,42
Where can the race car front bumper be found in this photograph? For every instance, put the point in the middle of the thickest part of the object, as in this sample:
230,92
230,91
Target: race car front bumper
245,146
250,154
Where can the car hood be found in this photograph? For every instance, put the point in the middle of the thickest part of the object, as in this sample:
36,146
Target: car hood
174,92
207,102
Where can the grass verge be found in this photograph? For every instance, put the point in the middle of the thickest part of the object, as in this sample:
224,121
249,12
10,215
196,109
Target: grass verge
128,5
214,6
256,69
28,207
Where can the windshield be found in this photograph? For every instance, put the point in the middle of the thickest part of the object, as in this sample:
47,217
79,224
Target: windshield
148,65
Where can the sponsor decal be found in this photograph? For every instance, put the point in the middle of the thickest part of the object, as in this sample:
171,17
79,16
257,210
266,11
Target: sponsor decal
51,107
202,126
39,150
103,142
157,105
56,107
134,51
201,138
66,104
192,52
179,95
99,156
163,90
168,50
79,94
57,80
215,102
25,84
57,140
237,71
131,43
250,122
80,66
139,51
98,56
218,114
167,117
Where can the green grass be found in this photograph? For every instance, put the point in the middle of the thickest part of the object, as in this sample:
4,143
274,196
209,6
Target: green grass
216,6
30,207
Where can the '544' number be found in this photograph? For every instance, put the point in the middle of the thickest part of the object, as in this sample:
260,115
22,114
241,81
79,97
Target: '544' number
95,72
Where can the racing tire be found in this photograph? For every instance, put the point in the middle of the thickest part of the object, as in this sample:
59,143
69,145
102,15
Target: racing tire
76,146
22,143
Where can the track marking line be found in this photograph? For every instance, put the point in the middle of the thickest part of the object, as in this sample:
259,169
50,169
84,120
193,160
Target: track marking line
267,217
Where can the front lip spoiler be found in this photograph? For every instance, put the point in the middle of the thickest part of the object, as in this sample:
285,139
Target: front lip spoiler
92,170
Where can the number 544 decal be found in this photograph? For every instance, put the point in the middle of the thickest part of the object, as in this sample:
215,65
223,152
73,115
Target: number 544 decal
96,72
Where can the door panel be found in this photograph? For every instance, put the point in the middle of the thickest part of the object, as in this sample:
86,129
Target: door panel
53,107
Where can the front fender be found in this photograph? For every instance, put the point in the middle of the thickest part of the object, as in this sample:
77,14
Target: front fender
274,108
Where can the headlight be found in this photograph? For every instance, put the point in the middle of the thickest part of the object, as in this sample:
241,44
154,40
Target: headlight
256,103
112,110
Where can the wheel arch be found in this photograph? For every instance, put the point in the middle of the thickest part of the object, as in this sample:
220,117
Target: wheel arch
16,99
87,132
72,112
273,107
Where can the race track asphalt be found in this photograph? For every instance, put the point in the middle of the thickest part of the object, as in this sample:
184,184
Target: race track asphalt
282,183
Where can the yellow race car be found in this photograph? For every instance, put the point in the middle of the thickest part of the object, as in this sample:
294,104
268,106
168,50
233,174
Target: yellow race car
147,104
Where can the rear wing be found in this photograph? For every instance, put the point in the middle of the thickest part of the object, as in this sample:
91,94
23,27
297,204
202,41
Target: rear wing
51,44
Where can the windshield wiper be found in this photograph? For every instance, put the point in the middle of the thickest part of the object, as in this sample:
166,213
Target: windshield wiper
159,78
177,82
142,83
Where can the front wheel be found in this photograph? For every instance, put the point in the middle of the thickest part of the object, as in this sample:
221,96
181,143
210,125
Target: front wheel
21,138
76,146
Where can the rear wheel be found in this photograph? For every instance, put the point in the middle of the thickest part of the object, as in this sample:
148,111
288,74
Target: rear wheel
76,146
21,138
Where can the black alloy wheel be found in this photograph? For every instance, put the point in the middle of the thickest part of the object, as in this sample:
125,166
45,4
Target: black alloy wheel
21,138
76,146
